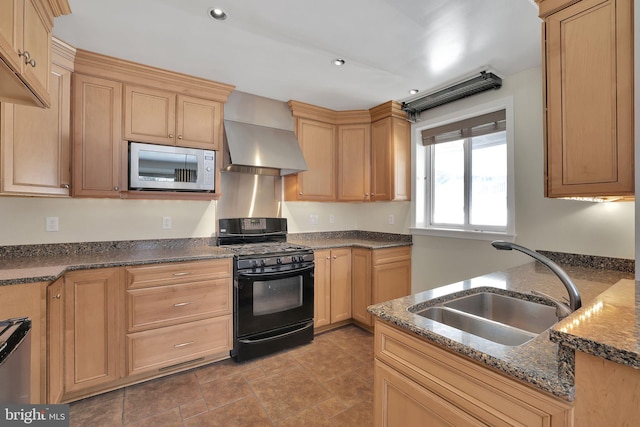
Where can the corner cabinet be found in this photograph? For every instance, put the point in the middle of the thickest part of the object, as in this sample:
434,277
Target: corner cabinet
418,383
36,159
25,49
588,67
378,275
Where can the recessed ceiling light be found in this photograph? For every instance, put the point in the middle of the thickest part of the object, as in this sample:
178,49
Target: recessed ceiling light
413,91
338,61
217,14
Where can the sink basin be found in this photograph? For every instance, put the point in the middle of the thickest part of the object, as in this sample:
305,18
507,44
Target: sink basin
492,331
527,315
499,318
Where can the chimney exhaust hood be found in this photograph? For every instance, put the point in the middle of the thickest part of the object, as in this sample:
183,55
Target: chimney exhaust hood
261,150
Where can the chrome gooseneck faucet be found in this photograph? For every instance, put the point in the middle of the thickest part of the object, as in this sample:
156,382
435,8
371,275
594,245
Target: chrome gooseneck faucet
574,296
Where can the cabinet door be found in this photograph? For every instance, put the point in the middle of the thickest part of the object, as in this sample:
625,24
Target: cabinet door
354,143
55,341
149,115
391,281
589,141
97,133
322,289
361,285
93,323
11,20
318,183
340,284
36,40
199,123
35,159
398,401
390,159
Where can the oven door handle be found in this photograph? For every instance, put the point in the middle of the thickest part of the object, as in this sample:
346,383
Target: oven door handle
259,340
278,273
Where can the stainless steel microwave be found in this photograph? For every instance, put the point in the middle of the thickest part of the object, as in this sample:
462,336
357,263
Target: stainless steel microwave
169,168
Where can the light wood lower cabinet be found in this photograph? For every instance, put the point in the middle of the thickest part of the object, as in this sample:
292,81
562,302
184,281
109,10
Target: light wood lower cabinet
418,383
332,286
179,314
112,327
93,321
378,275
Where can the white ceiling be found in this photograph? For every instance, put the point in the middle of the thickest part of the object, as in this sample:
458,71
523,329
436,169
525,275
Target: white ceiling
282,49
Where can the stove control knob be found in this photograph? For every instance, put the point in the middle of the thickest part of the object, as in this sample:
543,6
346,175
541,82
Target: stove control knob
300,258
254,263
278,260
263,262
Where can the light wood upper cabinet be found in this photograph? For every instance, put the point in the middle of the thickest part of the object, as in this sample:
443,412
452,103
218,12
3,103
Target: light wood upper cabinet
163,117
588,69
318,143
390,153
354,144
97,130
93,329
36,159
25,49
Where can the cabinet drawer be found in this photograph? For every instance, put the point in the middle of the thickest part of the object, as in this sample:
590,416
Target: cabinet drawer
164,305
485,395
179,272
384,256
163,347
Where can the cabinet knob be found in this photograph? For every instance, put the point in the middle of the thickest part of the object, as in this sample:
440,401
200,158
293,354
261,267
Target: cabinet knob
300,193
32,63
65,186
170,135
26,55
57,296
366,194
335,257
116,188
328,257
179,136
373,194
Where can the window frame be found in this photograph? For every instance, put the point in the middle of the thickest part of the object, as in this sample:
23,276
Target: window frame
421,200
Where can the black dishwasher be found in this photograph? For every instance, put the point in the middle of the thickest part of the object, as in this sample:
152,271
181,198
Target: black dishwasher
15,360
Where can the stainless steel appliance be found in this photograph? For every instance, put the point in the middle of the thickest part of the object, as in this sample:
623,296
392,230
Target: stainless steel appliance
273,287
169,168
15,360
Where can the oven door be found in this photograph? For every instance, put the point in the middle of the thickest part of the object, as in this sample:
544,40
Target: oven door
272,299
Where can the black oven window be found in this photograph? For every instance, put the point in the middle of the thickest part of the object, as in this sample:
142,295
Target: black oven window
273,296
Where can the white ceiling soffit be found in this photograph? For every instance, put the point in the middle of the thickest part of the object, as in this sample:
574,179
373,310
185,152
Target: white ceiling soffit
282,49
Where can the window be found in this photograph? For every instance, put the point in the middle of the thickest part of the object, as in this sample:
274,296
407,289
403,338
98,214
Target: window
467,189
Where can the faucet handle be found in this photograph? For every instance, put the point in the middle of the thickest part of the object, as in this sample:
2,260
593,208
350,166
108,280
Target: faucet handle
562,309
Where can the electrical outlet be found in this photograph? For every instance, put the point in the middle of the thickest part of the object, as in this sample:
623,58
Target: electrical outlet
313,219
52,224
166,222
391,219
332,219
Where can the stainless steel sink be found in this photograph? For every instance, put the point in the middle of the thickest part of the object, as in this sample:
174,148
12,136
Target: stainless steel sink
492,331
499,318
527,315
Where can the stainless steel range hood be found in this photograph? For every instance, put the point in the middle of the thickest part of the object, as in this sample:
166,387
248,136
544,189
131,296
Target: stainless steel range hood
261,150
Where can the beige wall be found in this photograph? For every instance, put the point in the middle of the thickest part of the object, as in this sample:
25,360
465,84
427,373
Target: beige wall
556,225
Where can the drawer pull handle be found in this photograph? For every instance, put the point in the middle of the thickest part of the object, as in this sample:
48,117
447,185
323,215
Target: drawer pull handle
184,273
182,304
184,344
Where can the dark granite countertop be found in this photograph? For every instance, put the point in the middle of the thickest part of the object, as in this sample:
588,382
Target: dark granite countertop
359,239
607,327
45,263
539,362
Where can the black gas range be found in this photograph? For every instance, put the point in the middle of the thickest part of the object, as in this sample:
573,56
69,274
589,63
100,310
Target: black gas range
273,286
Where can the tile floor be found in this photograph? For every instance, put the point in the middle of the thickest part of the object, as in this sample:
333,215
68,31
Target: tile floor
326,383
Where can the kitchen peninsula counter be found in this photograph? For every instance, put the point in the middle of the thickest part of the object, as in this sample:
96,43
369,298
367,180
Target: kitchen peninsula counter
540,362
45,263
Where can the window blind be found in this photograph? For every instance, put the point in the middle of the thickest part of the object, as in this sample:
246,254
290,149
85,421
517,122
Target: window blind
468,128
